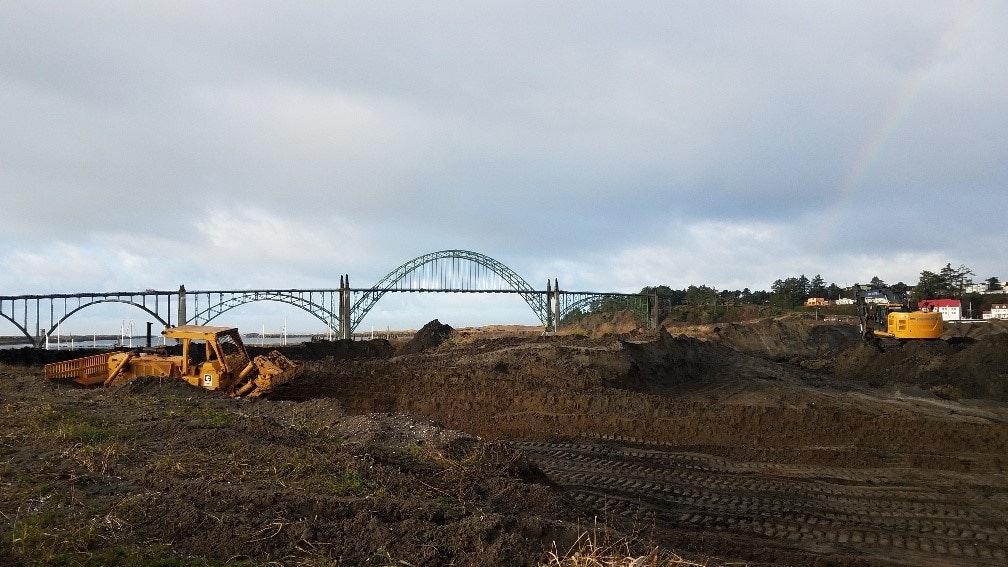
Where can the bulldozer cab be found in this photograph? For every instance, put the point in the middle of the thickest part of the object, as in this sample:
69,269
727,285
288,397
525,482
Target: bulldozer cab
209,350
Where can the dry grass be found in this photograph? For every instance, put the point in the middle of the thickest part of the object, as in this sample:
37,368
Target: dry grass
595,549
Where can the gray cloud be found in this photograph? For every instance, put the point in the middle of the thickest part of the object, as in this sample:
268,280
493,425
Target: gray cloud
613,146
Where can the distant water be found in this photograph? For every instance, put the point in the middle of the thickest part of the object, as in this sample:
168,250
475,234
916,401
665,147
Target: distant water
65,343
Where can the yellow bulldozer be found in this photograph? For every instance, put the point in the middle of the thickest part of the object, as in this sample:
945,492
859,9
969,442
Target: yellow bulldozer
213,358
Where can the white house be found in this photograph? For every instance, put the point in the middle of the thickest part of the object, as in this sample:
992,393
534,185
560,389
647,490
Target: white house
998,311
976,288
950,309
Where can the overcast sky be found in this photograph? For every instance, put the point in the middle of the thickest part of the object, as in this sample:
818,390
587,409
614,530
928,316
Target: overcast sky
611,145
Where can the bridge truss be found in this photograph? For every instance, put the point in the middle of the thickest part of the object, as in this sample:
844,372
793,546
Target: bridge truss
341,309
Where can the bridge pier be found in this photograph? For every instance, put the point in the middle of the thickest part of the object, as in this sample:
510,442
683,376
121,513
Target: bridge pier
344,307
182,319
556,304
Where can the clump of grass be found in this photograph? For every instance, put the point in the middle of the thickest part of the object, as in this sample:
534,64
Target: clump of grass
595,549
84,433
350,482
211,418
310,469
49,531
309,430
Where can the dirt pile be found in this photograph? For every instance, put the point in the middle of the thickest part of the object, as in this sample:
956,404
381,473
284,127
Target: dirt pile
970,360
972,368
28,356
430,336
789,339
319,349
599,324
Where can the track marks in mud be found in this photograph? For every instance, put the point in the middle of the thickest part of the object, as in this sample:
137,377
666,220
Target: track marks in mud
805,508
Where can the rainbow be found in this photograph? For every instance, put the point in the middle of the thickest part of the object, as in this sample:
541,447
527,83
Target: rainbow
872,147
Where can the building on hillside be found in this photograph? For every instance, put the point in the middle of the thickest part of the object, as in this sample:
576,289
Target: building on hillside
950,309
817,302
844,301
997,311
976,288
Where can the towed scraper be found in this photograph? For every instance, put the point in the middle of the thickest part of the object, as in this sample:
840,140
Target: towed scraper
213,358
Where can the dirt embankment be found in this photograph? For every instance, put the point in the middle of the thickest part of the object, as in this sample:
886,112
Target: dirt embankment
969,361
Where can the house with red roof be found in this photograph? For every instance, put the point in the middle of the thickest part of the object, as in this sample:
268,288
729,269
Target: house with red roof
950,309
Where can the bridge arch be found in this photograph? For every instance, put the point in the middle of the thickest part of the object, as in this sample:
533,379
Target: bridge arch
214,310
451,270
59,322
21,328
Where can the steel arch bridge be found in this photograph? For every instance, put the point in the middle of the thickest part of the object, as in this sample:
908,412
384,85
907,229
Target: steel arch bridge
341,309
451,271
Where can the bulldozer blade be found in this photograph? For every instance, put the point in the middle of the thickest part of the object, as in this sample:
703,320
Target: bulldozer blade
272,371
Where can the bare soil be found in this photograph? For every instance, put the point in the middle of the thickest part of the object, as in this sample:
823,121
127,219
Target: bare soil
774,442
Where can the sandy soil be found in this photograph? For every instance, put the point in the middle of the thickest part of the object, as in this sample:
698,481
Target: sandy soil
775,442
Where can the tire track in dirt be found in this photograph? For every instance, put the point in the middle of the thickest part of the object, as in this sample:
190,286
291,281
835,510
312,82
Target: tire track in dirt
809,510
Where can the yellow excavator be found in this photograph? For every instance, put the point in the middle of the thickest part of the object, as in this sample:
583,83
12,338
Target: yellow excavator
885,313
213,358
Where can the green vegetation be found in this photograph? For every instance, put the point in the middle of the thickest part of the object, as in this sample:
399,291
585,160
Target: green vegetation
53,529
701,304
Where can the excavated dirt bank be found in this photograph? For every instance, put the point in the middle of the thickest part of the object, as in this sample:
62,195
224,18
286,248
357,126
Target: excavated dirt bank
780,442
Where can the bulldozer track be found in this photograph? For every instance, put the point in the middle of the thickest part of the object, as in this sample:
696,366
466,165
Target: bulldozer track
803,506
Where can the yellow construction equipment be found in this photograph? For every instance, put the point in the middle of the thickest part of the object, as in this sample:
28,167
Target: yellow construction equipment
885,313
213,358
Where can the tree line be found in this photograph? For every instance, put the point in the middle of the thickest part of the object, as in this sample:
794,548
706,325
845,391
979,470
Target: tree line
791,292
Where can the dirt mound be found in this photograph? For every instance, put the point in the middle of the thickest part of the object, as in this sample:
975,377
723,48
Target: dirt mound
672,365
599,324
789,339
953,368
29,356
430,336
970,361
340,348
